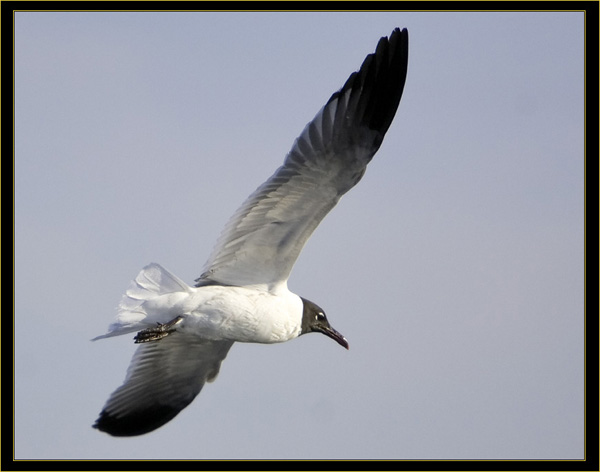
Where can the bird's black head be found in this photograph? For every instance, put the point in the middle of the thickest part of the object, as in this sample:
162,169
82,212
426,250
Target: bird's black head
314,320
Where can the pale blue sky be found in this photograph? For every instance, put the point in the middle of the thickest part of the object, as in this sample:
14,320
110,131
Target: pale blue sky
454,269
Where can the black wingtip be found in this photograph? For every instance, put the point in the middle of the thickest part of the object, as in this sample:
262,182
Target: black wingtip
376,88
135,423
386,81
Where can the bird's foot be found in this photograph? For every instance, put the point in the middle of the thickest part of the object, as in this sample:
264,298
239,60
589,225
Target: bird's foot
155,334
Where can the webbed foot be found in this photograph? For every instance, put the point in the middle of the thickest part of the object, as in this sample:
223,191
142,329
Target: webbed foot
156,334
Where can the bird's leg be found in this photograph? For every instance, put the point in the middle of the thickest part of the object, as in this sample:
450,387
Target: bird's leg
155,334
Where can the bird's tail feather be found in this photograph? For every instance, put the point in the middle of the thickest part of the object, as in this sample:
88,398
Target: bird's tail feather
153,281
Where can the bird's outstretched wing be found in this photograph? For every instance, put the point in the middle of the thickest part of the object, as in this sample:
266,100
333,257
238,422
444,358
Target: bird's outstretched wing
162,379
263,239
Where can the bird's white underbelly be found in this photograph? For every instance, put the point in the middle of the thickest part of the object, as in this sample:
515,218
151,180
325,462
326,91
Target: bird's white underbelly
241,314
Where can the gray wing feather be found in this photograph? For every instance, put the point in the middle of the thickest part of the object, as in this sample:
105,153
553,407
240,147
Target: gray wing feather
163,378
263,239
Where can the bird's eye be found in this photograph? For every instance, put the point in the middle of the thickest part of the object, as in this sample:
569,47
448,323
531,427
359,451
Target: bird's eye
320,316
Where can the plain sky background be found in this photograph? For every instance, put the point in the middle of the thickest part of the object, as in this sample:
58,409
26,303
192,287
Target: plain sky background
455,268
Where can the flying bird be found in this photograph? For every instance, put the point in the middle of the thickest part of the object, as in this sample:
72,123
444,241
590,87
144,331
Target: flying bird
184,332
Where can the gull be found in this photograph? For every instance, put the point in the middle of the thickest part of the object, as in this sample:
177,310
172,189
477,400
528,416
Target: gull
184,332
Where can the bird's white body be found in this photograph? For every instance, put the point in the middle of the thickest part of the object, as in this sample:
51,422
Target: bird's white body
243,314
211,312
